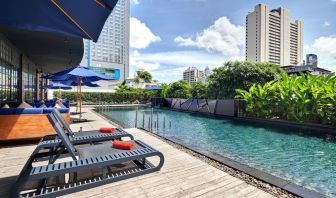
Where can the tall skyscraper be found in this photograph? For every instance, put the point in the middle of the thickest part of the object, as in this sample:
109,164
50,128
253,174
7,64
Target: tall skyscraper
110,55
192,75
272,37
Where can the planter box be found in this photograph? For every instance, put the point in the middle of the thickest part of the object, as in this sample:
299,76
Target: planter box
26,126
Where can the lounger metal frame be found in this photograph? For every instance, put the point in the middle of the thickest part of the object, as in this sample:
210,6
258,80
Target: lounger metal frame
53,141
43,173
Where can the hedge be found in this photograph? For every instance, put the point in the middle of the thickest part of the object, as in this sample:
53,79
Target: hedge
106,97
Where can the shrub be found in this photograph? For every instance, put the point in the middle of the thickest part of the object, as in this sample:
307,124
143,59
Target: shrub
199,89
239,75
107,97
305,98
179,89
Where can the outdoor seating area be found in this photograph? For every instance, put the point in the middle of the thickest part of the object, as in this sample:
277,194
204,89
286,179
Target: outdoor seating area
15,122
86,161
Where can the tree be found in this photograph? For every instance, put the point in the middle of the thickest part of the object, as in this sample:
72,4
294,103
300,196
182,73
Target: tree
164,89
145,76
179,89
199,89
224,80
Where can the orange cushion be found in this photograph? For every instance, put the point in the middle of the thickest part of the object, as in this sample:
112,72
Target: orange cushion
123,145
107,130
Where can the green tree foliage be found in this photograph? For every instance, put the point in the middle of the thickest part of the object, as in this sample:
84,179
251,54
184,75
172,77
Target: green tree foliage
179,89
199,90
304,98
239,75
164,90
144,76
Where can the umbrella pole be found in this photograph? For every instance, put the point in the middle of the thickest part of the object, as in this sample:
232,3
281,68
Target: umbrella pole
77,97
80,98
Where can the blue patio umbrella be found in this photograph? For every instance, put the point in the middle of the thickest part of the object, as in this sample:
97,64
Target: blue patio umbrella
153,87
87,84
76,18
78,75
58,85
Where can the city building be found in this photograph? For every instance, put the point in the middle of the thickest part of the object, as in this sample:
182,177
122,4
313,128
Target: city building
110,54
207,71
311,66
311,59
192,75
272,37
293,69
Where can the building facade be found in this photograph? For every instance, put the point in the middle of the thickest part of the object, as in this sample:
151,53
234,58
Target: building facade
272,37
311,59
192,75
110,54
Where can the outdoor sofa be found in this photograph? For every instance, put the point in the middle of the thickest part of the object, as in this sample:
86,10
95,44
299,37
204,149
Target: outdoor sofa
27,123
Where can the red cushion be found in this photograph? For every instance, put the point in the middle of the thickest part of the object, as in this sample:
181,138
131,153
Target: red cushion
107,130
123,145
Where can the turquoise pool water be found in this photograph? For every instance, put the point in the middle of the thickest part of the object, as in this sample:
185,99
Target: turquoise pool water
303,159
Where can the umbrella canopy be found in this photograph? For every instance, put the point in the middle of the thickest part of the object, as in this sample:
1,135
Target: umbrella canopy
58,85
153,87
74,73
87,84
68,17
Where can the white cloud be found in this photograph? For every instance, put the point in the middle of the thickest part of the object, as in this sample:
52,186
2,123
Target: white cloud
326,44
136,2
140,35
138,63
326,24
222,36
181,58
325,48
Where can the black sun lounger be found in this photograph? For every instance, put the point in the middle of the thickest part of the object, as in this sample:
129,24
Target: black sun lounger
86,136
89,166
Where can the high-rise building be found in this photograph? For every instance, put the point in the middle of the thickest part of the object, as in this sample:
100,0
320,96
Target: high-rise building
192,75
311,59
207,71
272,37
110,54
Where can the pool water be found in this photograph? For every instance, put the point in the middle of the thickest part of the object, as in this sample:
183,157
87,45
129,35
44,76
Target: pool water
306,160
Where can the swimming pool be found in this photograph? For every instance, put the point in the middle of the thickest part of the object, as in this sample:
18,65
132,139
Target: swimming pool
306,160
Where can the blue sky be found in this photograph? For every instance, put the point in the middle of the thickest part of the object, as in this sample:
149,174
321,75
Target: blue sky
169,35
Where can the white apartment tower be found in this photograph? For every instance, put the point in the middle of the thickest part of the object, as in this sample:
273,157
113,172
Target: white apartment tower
111,51
272,37
192,75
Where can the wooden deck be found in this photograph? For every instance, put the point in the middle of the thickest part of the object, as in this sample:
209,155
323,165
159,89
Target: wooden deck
181,176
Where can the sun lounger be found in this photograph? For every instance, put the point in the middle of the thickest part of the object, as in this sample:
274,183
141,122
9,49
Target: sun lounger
89,166
52,142
86,135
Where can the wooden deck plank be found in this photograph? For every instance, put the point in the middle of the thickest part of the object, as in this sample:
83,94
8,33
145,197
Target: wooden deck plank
182,175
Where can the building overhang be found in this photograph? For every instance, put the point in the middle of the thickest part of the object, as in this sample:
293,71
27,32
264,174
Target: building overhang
51,52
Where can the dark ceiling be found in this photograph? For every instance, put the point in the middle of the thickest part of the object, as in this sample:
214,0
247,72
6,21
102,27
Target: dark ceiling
52,52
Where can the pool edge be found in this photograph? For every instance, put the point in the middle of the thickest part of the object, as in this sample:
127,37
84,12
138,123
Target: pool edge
253,172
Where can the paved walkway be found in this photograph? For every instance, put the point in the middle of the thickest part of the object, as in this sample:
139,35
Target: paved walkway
181,176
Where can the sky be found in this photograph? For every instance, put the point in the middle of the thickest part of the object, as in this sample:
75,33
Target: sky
167,36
